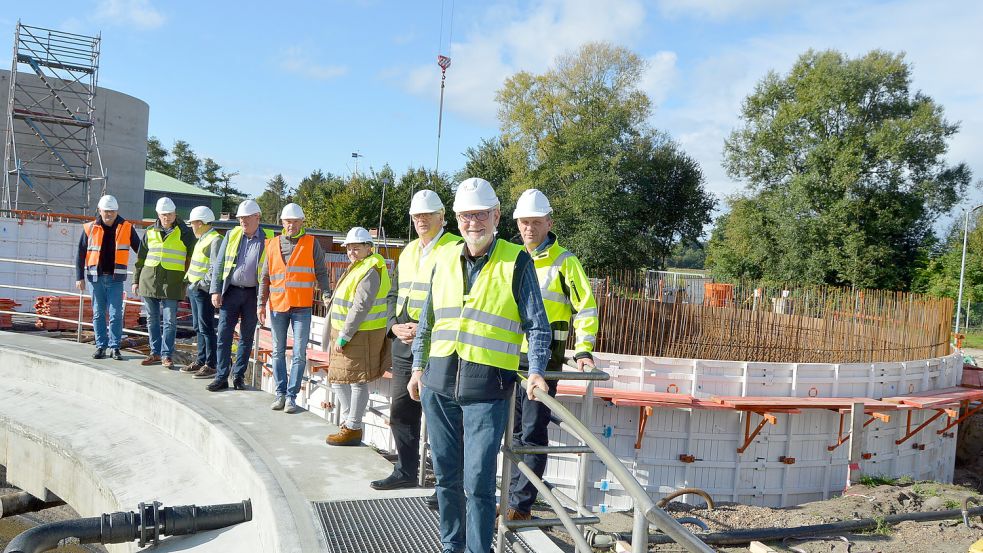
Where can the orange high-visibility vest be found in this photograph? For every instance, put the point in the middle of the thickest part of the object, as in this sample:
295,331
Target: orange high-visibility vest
95,233
292,282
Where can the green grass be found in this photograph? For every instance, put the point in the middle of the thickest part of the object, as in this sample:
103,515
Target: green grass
951,504
882,529
974,340
871,480
926,490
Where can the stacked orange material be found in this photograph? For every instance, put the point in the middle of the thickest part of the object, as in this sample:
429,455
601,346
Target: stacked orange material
67,307
6,305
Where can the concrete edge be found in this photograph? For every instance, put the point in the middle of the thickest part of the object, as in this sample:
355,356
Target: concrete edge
225,445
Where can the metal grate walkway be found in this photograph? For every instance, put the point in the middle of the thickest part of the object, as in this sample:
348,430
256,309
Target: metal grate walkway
397,525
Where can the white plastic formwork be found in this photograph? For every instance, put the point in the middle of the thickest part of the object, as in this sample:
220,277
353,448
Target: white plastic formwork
45,241
758,476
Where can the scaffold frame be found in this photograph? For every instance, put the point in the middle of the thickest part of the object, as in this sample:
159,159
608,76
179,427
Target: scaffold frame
51,147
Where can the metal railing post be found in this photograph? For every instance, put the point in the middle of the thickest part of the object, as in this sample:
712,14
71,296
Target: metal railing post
421,477
583,462
639,532
78,332
505,484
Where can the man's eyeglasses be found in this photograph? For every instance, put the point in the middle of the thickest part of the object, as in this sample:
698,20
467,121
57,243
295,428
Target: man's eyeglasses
479,216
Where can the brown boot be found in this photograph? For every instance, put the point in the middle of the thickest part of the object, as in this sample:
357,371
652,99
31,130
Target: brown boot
150,360
513,514
345,436
205,372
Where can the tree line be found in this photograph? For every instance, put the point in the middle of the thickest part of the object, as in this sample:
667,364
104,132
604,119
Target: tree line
843,169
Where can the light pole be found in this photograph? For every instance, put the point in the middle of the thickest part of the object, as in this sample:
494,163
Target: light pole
385,183
962,266
356,155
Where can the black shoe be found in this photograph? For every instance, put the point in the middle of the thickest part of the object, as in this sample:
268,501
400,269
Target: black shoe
431,500
239,384
392,482
217,385
117,355
99,354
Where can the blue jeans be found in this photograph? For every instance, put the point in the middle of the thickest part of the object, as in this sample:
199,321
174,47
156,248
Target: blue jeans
155,308
107,294
237,303
203,319
300,321
465,438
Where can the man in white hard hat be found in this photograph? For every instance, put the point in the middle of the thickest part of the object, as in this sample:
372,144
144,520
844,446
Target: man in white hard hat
413,273
164,255
199,279
295,262
102,259
484,297
234,289
566,293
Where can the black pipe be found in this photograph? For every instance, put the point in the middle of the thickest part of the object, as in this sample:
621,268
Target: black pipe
22,502
738,537
146,526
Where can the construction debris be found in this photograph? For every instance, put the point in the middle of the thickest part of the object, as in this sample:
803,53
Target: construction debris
67,308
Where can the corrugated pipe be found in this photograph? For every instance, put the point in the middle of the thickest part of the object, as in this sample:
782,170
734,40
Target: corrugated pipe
146,525
687,491
739,537
22,502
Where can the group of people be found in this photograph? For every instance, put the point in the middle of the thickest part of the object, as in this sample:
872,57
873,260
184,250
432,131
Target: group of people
466,315
240,275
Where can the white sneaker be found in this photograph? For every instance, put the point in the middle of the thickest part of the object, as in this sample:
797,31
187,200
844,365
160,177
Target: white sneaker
291,407
278,403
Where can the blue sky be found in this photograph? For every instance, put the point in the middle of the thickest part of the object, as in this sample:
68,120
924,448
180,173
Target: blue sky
289,87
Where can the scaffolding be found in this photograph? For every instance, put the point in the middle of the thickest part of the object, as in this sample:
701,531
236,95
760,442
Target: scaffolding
50,135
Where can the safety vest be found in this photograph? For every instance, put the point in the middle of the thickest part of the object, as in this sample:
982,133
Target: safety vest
344,295
291,282
484,325
232,250
557,271
200,258
95,233
414,276
170,253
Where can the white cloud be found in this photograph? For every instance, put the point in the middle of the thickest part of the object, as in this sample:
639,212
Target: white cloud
722,9
659,77
299,61
139,13
509,41
941,42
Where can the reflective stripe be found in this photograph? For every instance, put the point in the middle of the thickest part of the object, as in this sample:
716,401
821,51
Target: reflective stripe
560,334
196,263
296,269
341,302
376,316
277,289
122,246
476,341
417,304
179,253
479,316
291,284
589,338
421,286
592,312
339,316
555,296
92,248
276,276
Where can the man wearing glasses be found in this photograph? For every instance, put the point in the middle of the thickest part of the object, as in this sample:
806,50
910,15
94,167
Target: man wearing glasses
484,298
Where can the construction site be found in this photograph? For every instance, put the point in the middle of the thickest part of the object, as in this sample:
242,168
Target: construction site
722,416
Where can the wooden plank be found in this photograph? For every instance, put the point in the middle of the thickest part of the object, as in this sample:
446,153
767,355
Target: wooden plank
758,547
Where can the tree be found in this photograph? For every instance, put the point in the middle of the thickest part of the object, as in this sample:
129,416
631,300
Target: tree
157,157
231,196
211,176
187,166
579,133
272,200
846,172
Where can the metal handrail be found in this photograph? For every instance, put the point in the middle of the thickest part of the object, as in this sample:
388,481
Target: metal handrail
646,511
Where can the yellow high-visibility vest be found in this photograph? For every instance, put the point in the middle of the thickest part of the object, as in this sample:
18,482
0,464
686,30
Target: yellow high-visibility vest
414,276
344,295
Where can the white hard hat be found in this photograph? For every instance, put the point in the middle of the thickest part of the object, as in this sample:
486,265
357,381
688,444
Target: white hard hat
109,203
357,235
247,208
474,194
532,203
165,205
202,213
425,201
292,211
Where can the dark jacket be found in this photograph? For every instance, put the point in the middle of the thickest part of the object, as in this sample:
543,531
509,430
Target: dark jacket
107,256
158,282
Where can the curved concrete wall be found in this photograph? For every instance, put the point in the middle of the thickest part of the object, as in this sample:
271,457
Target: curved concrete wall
41,454
121,130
